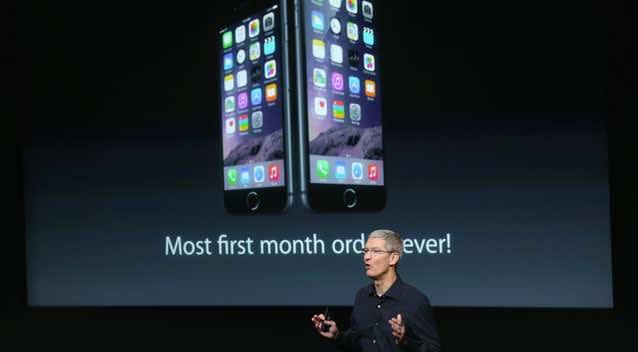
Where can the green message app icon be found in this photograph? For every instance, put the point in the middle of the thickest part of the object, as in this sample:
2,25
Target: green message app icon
323,168
232,177
227,39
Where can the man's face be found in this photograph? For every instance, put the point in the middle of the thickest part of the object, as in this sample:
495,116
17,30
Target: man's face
378,264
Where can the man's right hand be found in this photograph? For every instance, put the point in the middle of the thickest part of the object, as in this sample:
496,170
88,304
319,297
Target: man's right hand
332,332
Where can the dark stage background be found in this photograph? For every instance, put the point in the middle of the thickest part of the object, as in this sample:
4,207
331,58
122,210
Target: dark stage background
562,48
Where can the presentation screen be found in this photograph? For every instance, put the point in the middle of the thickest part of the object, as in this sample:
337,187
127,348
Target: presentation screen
185,175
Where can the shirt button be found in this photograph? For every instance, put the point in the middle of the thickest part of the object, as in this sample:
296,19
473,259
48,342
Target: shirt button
374,341
378,306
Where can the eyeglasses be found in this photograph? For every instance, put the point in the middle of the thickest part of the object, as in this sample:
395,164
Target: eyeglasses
375,251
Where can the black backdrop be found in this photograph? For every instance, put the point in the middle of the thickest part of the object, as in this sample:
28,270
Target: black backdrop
580,36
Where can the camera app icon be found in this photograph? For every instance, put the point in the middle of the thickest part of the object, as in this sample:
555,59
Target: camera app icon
269,21
367,9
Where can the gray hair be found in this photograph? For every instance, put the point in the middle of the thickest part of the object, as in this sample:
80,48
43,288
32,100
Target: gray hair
392,239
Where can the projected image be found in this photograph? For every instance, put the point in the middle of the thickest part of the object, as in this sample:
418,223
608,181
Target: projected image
165,165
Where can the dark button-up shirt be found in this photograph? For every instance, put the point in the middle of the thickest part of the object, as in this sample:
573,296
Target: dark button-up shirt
369,328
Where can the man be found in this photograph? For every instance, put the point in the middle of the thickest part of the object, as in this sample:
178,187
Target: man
389,314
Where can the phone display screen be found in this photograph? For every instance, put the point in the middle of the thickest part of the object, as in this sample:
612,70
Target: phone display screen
345,143
252,113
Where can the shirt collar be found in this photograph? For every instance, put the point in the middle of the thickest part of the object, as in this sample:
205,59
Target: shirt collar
393,292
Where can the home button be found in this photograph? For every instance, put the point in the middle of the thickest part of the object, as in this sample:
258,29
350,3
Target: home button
350,198
252,201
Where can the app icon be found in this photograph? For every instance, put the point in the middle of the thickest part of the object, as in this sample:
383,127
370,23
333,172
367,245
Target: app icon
373,173
270,67
319,77
337,81
321,106
228,61
355,112
335,26
240,34
242,100
256,96
368,62
244,176
335,3
255,51
243,123
257,119
259,174
269,21
253,28
371,88
336,53
338,109
231,177
271,92
273,172
242,78
357,171
229,82
230,125
351,6
318,21
229,104
352,31
323,168
353,58
367,9
368,36
255,74
227,40
269,45
318,49
340,170
241,56
354,84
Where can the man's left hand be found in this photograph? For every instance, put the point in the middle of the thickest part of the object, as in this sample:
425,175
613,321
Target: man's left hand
398,329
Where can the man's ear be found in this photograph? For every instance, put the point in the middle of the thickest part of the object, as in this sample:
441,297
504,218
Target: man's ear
394,258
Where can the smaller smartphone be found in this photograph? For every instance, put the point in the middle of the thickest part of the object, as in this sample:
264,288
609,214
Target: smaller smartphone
255,108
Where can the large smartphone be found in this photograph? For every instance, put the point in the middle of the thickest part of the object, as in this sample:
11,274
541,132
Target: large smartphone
255,108
339,105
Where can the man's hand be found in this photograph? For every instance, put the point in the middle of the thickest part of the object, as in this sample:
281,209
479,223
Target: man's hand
398,329
332,332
